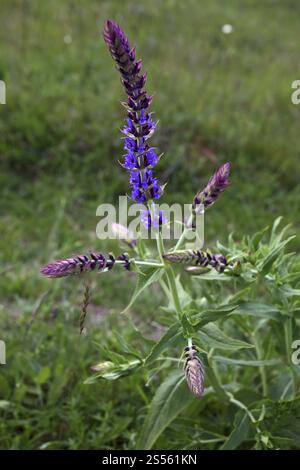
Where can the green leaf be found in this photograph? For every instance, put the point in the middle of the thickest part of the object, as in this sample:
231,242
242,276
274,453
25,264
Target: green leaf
213,276
267,263
291,277
296,313
170,335
274,228
210,315
126,347
245,362
257,309
141,247
288,291
282,418
257,237
170,399
184,297
275,237
215,338
240,432
144,280
43,375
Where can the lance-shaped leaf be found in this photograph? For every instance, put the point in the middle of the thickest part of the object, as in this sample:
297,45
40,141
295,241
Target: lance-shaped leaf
170,399
215,338
239,433
168,337
257,309
210,315
246,362
266,264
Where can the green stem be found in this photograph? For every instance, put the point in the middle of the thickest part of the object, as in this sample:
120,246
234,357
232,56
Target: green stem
138,262
182,236
160,247
243,407
215,382
262,369
148,263
227,396
173,289
170,276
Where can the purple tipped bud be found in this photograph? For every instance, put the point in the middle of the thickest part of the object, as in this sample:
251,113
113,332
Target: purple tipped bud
216,185
117,41
194,371
79,264
197,258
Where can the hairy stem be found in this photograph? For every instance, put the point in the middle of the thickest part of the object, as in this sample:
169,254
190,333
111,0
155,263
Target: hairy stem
262,369
215,381
147,263
170,276
182,236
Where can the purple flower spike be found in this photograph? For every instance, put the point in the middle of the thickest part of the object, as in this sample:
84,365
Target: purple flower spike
78,265
140,158
216,185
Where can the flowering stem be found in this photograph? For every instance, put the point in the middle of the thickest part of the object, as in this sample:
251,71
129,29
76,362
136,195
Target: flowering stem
215,382
227,396
173,290
207,197
243,407
182,236
262,369
152,264
160,246
170,276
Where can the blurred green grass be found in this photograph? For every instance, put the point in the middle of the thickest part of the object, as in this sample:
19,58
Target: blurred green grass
217,97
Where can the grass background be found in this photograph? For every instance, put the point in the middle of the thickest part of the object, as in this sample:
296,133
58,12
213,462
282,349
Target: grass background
217,97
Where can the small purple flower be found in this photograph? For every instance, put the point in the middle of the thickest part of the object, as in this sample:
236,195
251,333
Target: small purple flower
130,161
140,158
153,218
150,158
216,185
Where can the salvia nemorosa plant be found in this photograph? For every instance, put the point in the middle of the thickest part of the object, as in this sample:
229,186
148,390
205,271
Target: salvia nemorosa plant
140,160
215,299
